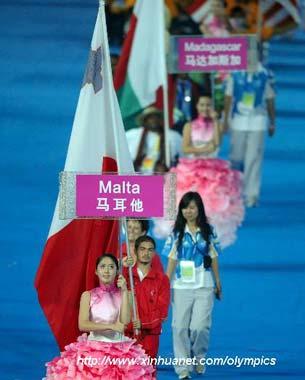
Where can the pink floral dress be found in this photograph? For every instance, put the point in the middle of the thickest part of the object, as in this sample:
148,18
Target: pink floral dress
219,186
103,355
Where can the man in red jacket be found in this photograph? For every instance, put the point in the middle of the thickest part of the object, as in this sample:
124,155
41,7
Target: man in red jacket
135,229
152,292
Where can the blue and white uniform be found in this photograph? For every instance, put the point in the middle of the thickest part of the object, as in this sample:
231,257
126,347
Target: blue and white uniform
250,93
193,294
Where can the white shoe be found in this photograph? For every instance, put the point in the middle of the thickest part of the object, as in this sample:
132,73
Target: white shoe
200,369
251,202
184,375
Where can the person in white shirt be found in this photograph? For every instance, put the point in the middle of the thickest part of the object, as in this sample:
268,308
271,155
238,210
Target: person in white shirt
250,97
192,251
146,143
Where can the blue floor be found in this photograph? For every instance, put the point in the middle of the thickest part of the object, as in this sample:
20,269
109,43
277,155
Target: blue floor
44,47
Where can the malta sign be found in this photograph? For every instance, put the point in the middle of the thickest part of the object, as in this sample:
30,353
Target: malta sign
119,196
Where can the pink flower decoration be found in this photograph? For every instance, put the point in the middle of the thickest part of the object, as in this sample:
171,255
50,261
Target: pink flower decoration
221,190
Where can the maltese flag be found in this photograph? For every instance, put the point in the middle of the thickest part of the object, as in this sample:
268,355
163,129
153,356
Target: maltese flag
97,144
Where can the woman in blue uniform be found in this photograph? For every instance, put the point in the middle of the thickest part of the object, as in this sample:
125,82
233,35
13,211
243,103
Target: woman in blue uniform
192,251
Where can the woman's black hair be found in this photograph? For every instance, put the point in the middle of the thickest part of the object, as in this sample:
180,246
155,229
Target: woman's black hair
204,94
110,256
202,220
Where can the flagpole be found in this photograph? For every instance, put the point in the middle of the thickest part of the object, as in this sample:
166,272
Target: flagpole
133,298
109,75
259,26
165,93
120,247
117,146
166,124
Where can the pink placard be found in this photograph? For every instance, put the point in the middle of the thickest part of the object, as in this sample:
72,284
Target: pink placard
119,196
212,54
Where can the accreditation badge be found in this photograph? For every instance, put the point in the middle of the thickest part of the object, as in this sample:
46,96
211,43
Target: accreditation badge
187,268
248,99
148,164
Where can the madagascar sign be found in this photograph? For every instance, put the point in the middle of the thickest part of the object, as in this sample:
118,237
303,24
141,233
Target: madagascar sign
210,54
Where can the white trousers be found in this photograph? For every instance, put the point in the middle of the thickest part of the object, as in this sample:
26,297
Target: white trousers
192,319
246,154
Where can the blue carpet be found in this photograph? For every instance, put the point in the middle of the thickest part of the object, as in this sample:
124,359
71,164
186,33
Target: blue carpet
44,47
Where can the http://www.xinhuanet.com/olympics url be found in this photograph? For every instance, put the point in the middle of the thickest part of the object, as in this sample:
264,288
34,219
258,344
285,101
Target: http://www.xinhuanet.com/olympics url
233,361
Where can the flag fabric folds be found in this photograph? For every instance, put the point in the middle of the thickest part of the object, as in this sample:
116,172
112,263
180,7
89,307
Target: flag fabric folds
141,69
280,15
97,143
198,9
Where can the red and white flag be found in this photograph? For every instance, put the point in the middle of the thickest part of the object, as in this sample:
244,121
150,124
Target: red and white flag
280,14
97,143
198,9
277,14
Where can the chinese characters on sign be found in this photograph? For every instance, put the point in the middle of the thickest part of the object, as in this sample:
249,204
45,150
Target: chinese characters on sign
119,196
212,54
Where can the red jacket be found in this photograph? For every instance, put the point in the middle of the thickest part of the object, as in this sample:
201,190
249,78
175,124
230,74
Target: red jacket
153,298
155,263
